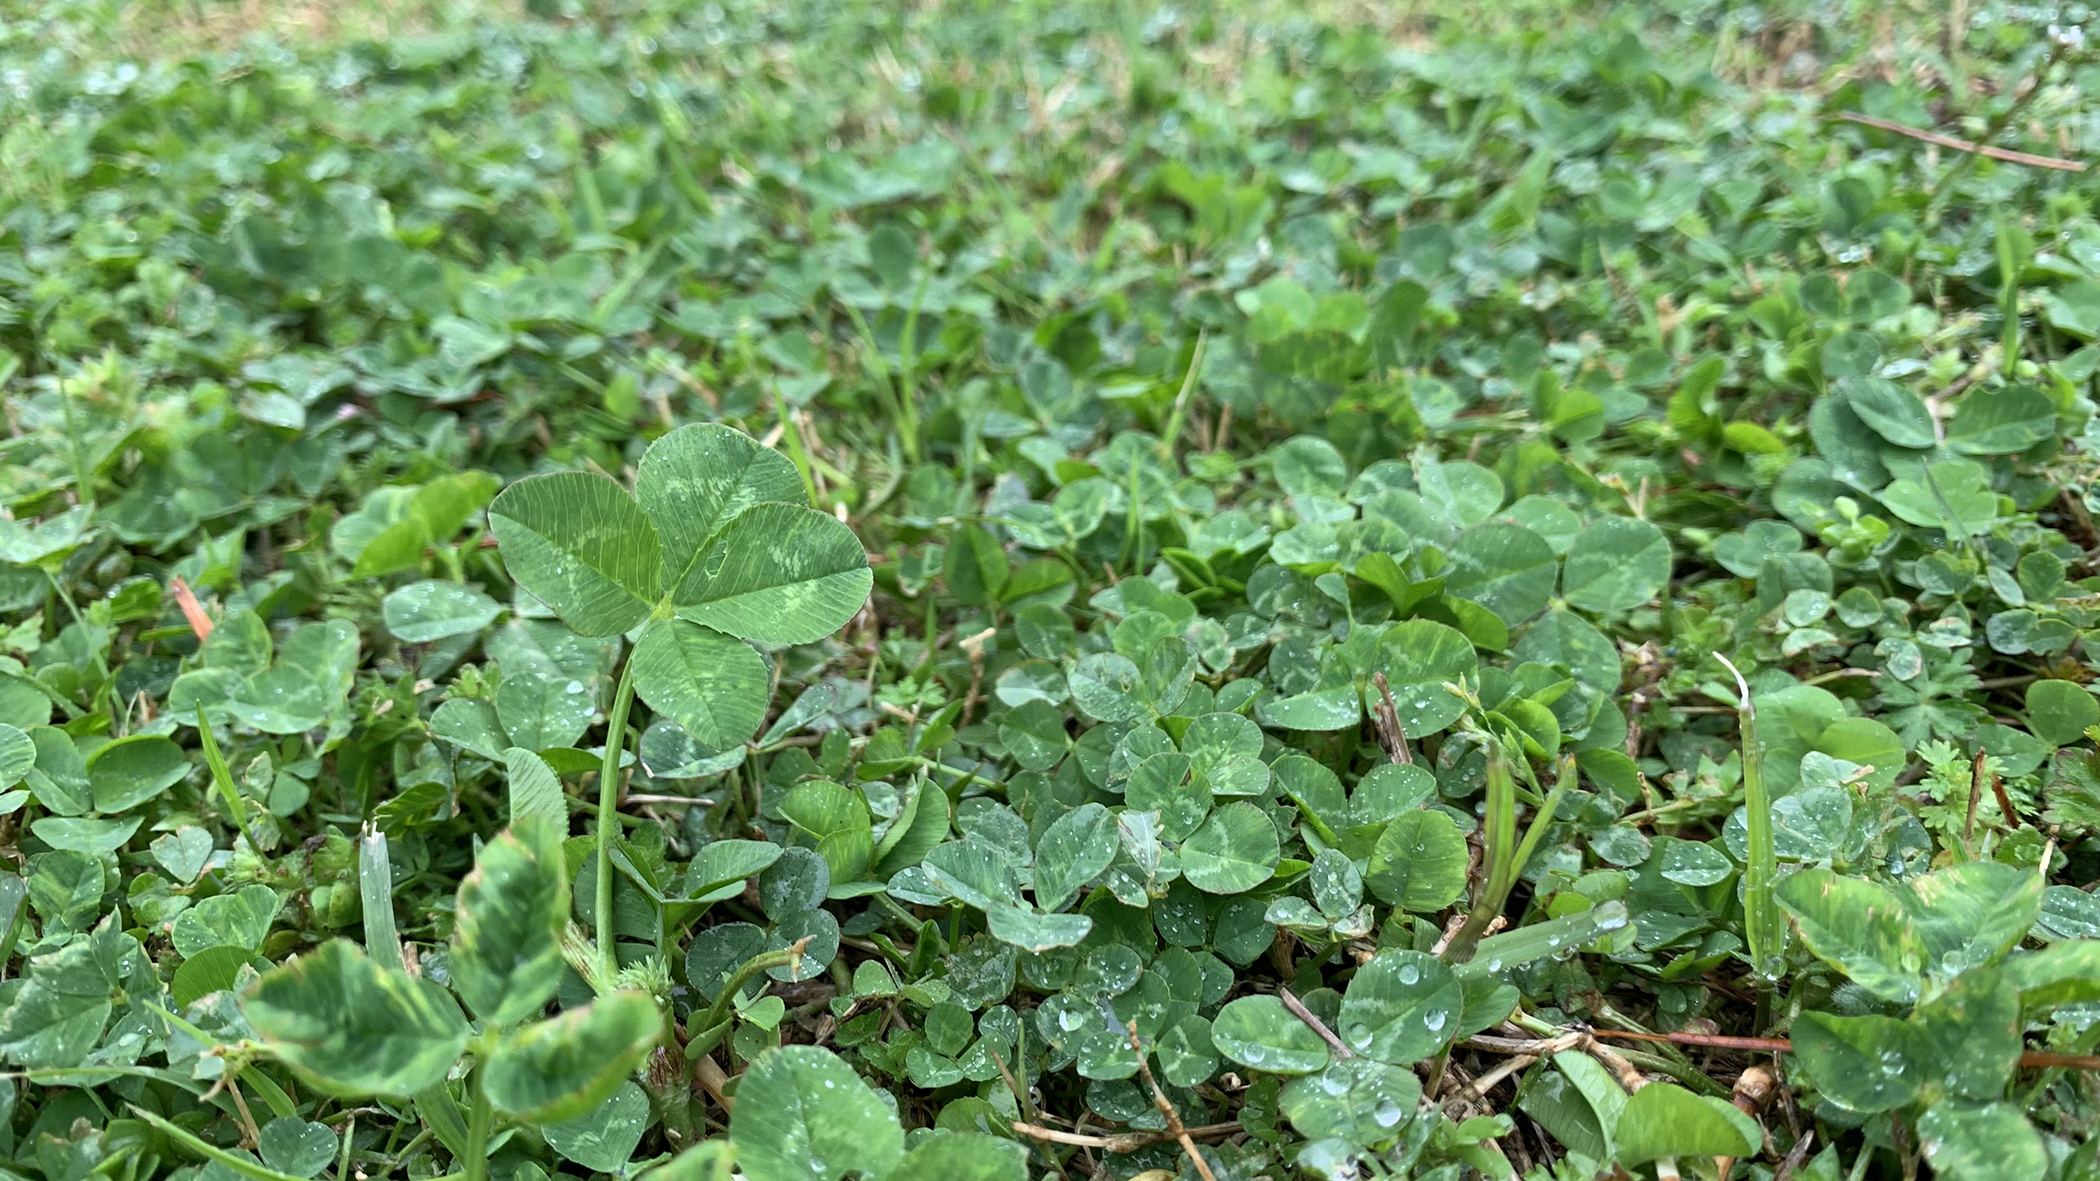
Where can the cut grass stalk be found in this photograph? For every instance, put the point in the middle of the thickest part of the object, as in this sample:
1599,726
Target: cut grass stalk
1764,928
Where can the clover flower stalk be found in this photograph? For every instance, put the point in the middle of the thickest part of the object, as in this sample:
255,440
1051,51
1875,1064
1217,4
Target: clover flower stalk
609,820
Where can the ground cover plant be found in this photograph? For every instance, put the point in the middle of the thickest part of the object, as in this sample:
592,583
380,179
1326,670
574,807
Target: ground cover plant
826,591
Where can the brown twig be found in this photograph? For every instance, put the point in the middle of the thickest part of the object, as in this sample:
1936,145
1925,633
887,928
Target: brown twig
1457,923
251,1136
1386,716
1298,1010
1762,1045
1510,1045
1166,1106
1014,1085
973,647
2013,819
192,611
1629,1077
1839,674
1479,1087
708,1073
1121,1141
1961,145
1976,780
2030,1060
1795,1156
1789,1110
2034,1059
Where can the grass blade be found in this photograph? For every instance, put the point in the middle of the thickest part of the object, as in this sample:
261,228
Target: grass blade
375,887
1764,927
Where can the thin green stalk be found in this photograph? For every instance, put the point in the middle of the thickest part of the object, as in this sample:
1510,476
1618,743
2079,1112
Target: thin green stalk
13,892
899,404
593,202
1499,839
1134,530
480,1117
1540,822
609,805
908,353
2009,263
793,439
342,1164
629,821
400,1157
1179,414
719,1011
1505,857
83,484
932,628
1502,819
966,487
80,621
1764,928
222,778
241,1166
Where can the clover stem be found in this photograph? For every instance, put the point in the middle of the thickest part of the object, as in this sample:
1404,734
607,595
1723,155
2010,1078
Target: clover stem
717,1011
479,1118
86,635
608,807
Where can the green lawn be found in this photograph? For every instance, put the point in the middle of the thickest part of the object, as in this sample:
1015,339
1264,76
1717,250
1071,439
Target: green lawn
1199,590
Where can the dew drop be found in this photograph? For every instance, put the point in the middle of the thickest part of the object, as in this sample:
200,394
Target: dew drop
1409,973
1388,1114
1433,1020
1359,1034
